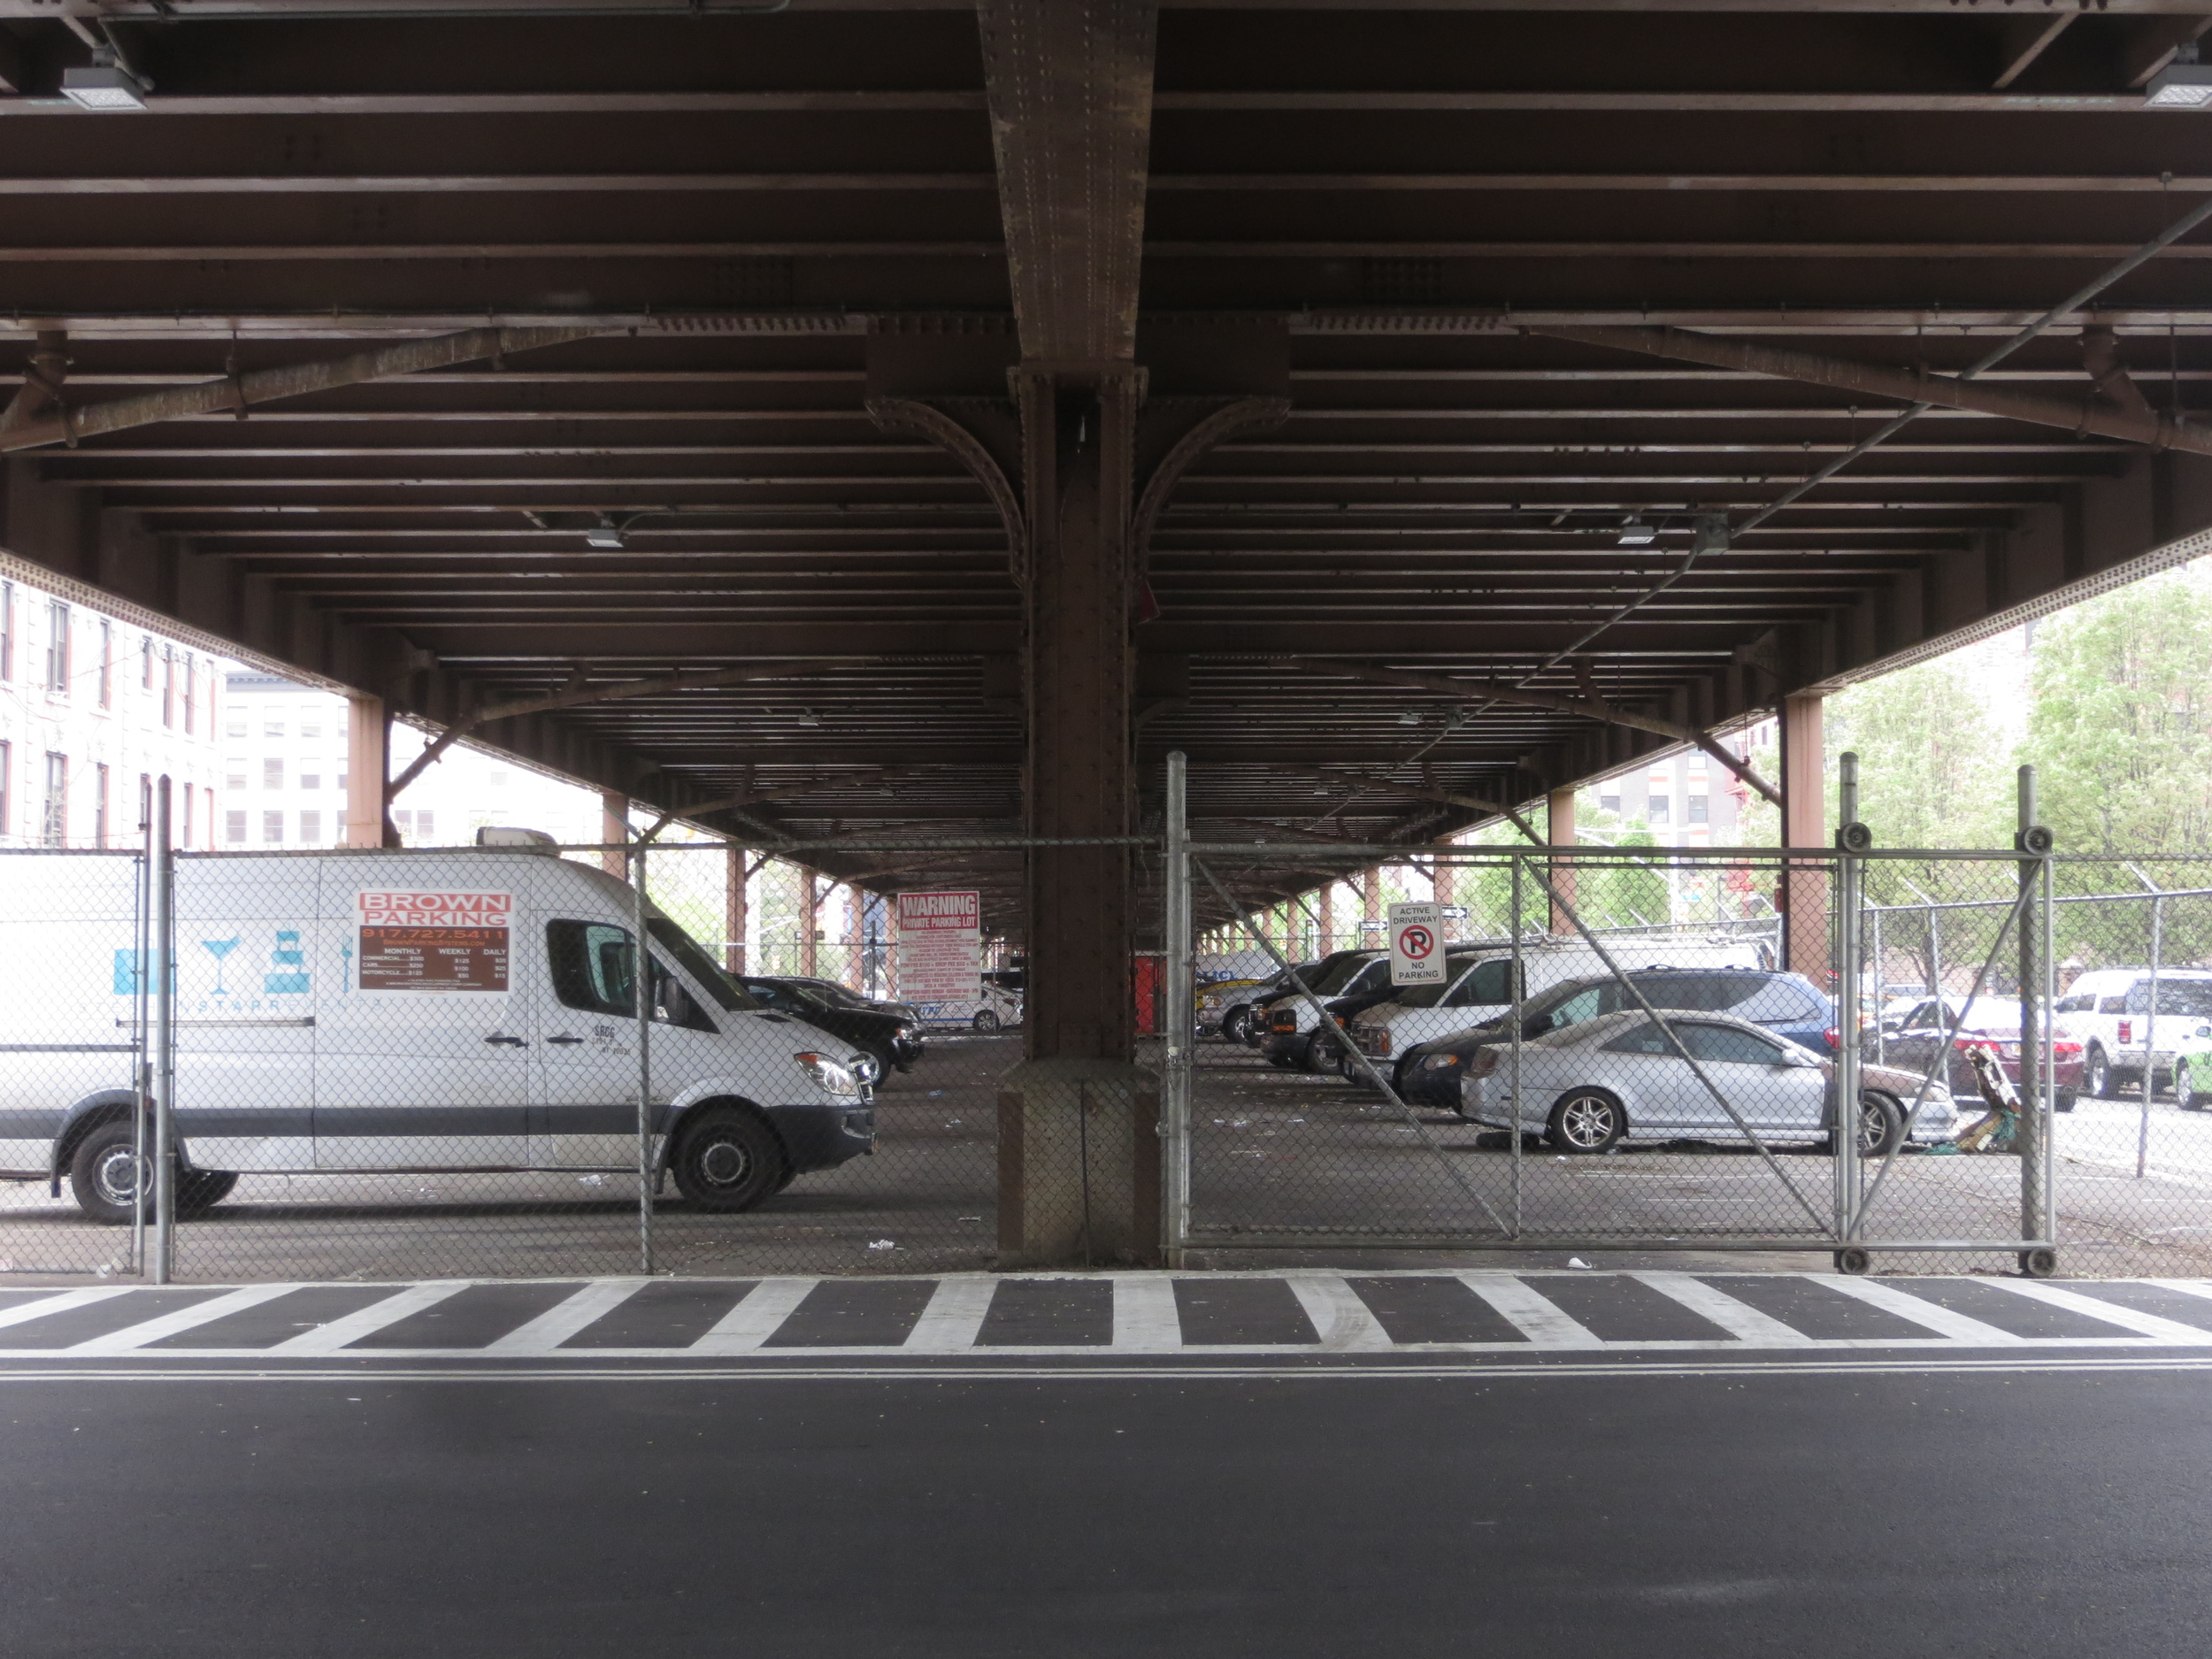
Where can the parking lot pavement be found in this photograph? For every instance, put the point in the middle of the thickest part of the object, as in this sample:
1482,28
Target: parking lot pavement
1965,1496
979,1319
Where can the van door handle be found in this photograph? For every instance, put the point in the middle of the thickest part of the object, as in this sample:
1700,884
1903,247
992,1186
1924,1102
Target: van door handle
564,1039
512,1042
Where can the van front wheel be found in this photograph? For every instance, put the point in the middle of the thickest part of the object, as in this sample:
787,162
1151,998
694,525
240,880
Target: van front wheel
728,1160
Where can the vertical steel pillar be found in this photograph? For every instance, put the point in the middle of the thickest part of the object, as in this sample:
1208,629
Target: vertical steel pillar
642,987
614,833
1845,1139
2150,1033
142,991
2032,1137
1803,896
368,764
736,909
165,1036
1182,1021
810,923
1559,830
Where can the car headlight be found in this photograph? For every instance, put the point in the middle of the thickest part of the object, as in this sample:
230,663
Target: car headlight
830,1076
905,1034
1438,1061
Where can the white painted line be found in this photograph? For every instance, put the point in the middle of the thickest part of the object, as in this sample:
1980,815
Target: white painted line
1530,1314
2111,1313
954,1314
756,1319
1346,1324
23,1312
1927,1315
591,1303
329,1339
206,1312
1146,1319
2187,1287
1739,1320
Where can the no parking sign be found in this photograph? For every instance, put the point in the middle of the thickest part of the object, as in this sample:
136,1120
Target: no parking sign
1417,943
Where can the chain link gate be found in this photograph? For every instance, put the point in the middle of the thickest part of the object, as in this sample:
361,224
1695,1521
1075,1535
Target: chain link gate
1631,1050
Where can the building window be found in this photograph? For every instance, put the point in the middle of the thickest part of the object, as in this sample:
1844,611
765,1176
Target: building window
404,821
273,774
7,630
234,773
234,827
311,774
272,828
310,720
1609,804
100,803
58,648
312,828
1698,806
235,721
146,662
107,663
423,830
54,831
210,795
185,828
499,778
168,686
190,701
145,802
272,721
7,777
1658,811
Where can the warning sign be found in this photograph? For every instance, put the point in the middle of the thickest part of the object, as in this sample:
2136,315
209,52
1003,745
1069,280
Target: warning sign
438,942
1417,943
941,947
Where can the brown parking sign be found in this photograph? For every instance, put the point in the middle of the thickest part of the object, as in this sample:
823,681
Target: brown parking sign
415,941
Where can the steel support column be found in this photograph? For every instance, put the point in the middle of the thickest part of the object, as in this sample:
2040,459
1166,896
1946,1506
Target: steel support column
614,832
1801,894
1559,821
368,739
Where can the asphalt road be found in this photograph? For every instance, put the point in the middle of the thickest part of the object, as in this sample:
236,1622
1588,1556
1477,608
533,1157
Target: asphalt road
1602,1509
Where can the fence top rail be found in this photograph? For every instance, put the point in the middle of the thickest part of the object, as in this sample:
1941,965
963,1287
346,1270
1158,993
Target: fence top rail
1384,853
779,849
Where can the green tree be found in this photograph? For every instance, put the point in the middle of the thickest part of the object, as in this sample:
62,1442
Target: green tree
1932,765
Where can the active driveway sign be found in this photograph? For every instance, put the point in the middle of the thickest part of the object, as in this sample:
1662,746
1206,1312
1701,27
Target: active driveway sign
1417,943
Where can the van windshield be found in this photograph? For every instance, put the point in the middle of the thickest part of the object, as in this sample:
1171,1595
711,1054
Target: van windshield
698,964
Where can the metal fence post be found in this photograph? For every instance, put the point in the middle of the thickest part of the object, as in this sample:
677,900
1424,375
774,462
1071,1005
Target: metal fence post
1182,1021
142,989
1851,838
642,982
2150,1025
164,881
1514,1080
2032,1134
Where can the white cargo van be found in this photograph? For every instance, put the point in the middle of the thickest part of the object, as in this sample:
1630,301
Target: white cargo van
1482,989
469,1010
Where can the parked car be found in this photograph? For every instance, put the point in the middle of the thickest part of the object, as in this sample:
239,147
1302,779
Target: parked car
1325,978
2106,1011
1618,1076
887,1041
1215,998
2192,1069
994,1008
1785,1004
1483,989
1293,1036
464,1009
1236,1010
1993,1022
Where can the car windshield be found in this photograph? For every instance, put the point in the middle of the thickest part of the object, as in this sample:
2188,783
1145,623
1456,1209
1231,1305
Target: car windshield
680,945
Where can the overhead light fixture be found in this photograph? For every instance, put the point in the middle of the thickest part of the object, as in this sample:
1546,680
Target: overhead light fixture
606,533
1636,532
1408,718
806,718
2183,84
104,85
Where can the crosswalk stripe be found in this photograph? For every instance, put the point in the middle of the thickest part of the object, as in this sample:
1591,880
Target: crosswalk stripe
1929,1315
23,1312
756,1319
1345,1324
955,1315
590,1304
1541,1322
2111,1313
1739,1320
1146,1318
329,1339
137,1336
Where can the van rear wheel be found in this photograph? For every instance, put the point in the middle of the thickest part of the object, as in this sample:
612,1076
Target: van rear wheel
727,1161
108,1176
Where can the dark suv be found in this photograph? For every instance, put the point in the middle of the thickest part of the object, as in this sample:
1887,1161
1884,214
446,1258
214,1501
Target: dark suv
1786,1005
888,1037
1323,1050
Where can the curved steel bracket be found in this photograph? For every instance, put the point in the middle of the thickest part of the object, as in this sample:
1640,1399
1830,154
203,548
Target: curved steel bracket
1247,414
963,445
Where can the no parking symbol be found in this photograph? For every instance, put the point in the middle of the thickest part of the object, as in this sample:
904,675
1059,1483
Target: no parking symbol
1417,943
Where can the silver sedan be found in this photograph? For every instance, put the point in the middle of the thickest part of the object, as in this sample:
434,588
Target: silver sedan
1590,1086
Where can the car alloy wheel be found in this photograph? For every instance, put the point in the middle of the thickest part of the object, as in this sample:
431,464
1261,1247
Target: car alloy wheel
1587,1120
1881,1125
985,1021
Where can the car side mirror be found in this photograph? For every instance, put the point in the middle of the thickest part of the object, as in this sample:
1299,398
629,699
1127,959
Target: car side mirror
2204,1031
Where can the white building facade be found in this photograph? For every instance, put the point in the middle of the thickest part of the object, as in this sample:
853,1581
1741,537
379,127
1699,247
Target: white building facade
92,710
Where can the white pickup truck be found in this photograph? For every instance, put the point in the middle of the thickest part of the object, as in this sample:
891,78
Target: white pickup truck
2108,1011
